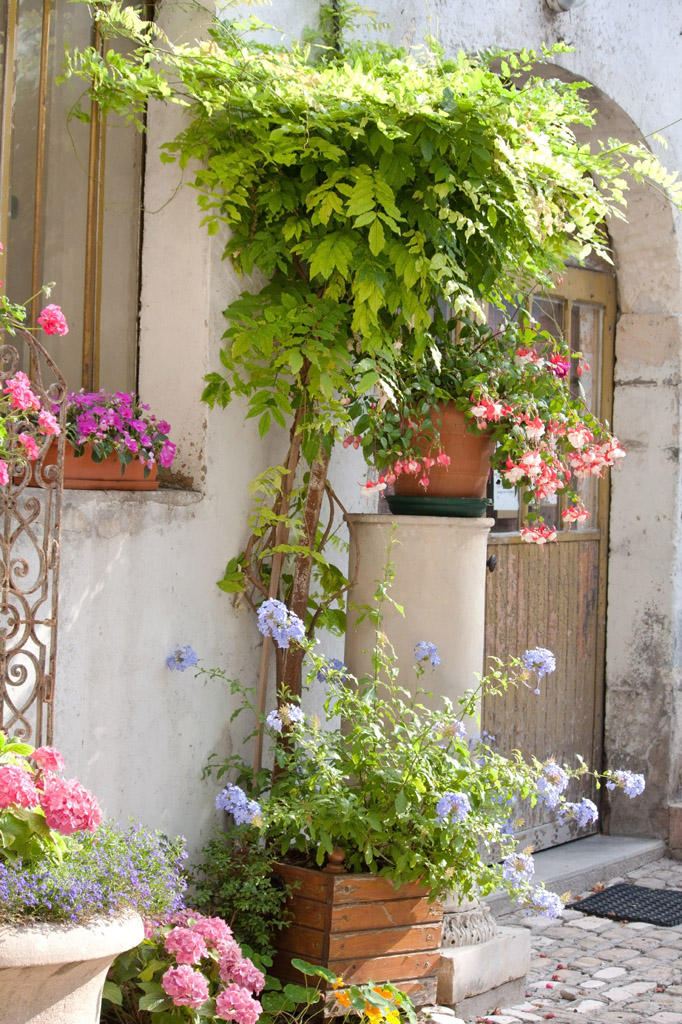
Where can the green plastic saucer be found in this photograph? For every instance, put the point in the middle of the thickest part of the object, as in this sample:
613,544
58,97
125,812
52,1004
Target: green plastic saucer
464,508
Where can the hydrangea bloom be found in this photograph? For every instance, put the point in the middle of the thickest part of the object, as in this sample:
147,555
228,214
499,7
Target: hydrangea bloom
49,758
425,651
187,945
53,321
68,806
518,867
235,1003
185,986
17,787
181,659
235,801
632,783
585,813
214,930
275,620
245,973
452,807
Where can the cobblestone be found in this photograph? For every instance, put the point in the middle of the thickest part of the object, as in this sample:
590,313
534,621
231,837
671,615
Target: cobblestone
590,970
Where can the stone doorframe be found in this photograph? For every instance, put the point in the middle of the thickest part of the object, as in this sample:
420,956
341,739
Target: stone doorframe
643,713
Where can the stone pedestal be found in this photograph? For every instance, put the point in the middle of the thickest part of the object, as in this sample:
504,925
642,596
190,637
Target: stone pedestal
470,971
439,580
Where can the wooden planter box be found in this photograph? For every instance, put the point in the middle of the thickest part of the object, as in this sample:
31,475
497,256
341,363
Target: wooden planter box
363,929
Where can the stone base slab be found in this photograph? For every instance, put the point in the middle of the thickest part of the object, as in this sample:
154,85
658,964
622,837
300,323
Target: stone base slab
468,971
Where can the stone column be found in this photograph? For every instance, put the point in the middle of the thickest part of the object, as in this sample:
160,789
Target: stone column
440,570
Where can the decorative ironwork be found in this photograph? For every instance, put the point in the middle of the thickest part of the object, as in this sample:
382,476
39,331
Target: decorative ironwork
30,525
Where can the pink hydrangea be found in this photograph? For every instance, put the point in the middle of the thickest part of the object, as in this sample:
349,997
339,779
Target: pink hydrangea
235,1003
214,930
18,388
17,787
230,955
245,973
30,446
47,424
4,474
68,806
49,758
187,945
53,321
185,986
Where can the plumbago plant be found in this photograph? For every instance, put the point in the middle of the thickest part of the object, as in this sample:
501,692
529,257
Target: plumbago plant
406,787
368,186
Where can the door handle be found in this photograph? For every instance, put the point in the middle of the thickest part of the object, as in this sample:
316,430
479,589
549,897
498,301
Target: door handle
492,563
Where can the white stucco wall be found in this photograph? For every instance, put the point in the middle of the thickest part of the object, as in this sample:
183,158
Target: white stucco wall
138,572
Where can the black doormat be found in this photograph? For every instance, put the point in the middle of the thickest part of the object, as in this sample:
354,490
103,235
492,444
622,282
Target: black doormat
626,902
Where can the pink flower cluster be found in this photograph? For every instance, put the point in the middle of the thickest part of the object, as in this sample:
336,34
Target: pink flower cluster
68,807
20,398
119,422
18,390
53,321
413,466
539,534
190,940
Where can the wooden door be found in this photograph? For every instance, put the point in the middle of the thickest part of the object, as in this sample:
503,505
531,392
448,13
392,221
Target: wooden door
555,596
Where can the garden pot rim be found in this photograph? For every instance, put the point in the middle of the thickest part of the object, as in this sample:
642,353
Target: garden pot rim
57,942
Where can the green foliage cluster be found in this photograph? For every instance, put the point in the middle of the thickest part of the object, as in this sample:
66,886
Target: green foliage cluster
234,880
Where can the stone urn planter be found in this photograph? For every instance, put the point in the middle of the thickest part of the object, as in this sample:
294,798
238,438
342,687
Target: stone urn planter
363,929
54,973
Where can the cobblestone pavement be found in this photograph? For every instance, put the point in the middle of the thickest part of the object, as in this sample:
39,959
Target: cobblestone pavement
589,969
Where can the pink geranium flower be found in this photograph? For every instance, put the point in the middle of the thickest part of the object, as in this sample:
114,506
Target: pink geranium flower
53,321
30,446
47,424
4,475
18,388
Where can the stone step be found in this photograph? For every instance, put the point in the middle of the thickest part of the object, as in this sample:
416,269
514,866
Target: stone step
575,867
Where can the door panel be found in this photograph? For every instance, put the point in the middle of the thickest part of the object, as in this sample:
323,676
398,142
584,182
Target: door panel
554,596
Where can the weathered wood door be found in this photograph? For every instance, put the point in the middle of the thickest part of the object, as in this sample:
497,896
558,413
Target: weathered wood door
554,596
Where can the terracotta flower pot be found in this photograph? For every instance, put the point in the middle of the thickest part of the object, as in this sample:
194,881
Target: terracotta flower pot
54,973
84,474
363,929
469,469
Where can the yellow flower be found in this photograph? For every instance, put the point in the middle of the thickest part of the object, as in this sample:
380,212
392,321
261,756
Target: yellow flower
393,1017
342,998
338,982
373,1013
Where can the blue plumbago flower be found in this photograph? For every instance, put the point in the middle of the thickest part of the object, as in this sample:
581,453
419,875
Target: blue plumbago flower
292,714
539,660
552,783
518,867
426,651
235,801
543,902
584,813
455,730
274,721
275,620
631,782
332,668
452,807
181,659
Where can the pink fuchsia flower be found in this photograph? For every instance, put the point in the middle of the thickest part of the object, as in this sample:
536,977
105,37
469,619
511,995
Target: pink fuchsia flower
541,534
559,365
235,1003
185,986
17,787
4,474
68,806
47,424
575,514
187,945
18,388
53,321
513,473
30,446
49,758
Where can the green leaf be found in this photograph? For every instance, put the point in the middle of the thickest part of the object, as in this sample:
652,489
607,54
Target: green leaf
377,239
112,993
